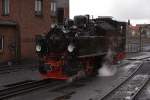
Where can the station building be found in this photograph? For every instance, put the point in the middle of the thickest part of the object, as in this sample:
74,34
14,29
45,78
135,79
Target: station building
22,20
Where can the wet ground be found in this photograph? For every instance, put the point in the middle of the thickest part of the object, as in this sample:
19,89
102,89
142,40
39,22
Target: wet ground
85,89
18,76
145,93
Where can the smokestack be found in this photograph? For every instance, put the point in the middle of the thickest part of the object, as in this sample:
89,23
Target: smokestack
128,21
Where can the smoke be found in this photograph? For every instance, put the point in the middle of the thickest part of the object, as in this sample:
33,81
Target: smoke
107,69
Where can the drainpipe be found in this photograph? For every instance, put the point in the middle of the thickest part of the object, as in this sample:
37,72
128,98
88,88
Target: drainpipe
141,31
18,44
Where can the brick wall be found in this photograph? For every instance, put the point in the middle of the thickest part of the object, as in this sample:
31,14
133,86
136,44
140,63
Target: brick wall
9,40
31,25
28,24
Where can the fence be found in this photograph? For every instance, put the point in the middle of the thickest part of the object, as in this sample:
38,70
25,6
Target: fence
133,47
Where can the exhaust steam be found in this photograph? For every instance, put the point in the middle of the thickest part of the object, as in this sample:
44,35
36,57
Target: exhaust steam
107,69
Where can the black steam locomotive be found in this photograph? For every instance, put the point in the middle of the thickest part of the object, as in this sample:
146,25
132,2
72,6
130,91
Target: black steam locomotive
79,46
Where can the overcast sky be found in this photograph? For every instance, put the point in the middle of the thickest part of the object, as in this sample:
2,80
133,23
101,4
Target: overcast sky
136,10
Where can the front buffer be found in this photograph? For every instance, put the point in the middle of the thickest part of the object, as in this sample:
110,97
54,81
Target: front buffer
62,70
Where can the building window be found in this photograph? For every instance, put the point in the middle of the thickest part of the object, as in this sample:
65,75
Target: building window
5,7
38,7
133,33
1,43
148,34
53,8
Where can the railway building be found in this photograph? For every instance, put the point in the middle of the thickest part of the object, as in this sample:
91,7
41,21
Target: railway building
22,20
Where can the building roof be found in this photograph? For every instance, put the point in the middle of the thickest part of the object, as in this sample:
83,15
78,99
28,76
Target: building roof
7,23
134,27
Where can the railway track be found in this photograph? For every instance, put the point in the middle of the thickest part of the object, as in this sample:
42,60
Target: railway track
120,92
14,68
144,94
25,88
129,88
137,67
7,69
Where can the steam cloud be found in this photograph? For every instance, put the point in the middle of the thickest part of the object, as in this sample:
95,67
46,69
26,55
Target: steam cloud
107,69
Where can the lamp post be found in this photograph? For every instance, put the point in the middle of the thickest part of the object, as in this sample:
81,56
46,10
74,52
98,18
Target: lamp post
141,31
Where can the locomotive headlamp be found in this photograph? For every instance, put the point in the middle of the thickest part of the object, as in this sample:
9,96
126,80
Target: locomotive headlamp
53,25
74,27
38,48
71,47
